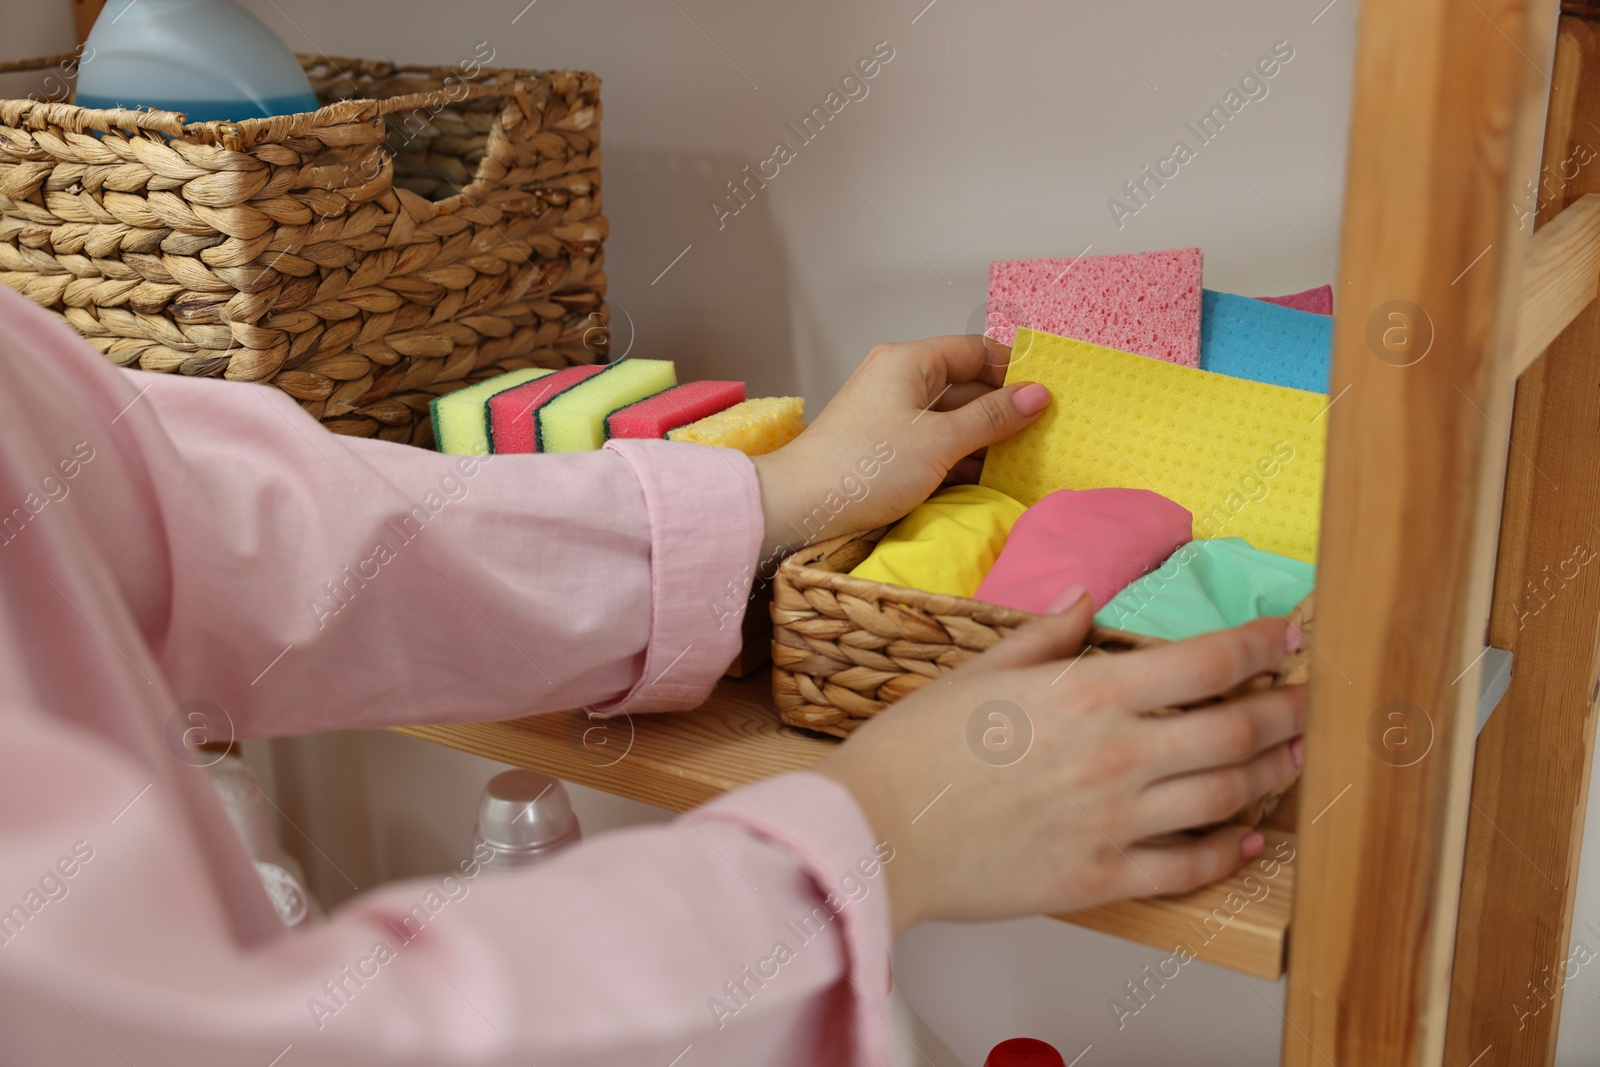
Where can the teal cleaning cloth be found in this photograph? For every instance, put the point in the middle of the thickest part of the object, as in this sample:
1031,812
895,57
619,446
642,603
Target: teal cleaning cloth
1209,585
1246,338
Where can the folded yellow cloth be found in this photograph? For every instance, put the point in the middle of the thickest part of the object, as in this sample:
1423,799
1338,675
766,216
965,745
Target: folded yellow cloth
947,544
1244,457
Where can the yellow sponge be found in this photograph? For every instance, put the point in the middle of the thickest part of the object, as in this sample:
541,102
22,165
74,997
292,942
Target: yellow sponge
754,427
1244,457
947,544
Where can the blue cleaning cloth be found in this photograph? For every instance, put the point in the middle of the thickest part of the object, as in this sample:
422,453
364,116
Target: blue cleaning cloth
1245,338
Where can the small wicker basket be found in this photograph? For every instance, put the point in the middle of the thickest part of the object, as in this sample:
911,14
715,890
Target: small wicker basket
845,648
422,230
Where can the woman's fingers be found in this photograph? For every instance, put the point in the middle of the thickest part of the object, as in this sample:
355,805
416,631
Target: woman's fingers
1206,797
1163,870
961,394
992,417
1185,672
952,359
1221,735
958,358
1047,639
952,390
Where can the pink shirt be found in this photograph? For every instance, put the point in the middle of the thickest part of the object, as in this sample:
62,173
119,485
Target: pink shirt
164,539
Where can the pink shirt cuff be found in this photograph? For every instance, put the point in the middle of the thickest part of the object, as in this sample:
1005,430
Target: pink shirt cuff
705,535
818,822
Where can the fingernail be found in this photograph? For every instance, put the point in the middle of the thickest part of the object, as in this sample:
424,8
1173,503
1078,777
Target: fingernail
1030,399
1292,638
1251,844
1065,599
1297,749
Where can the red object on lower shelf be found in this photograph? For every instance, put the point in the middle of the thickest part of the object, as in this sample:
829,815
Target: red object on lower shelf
1024,1052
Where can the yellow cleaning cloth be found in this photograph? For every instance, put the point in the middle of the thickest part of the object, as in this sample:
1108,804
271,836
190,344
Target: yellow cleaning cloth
1244,457
947,544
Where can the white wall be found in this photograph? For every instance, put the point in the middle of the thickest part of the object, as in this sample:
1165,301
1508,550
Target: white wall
999,130
996,131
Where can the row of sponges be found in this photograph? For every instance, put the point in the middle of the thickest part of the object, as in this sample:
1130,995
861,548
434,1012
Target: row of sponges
1129,549
1177,472
579,408
1224,416
1152,304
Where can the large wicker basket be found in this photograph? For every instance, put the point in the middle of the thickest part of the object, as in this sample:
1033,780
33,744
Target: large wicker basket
845,648
425,229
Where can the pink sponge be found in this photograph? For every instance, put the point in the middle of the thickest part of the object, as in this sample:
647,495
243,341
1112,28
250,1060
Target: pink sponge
1318,301
1102,539
679,406
1142,302
511,427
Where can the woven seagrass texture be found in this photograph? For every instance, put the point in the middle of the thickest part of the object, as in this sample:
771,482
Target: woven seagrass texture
845,648
423,230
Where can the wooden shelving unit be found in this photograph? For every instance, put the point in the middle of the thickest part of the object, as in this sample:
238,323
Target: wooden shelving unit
1426,895
684,759
1420,918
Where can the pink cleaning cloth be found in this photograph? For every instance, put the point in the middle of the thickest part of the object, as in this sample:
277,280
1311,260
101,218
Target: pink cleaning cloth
1142,302
1102,539
1318,301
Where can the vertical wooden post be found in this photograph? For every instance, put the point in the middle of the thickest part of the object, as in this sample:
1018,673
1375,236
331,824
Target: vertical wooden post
1530,782
1446,119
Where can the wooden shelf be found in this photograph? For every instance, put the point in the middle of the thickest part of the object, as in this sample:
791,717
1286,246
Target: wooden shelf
678,760
682,760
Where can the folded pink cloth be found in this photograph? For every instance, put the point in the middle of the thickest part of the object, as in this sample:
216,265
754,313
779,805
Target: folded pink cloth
1102,539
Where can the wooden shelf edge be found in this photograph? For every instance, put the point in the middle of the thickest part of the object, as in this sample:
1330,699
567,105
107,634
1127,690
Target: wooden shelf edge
1241,923
684,759
676,760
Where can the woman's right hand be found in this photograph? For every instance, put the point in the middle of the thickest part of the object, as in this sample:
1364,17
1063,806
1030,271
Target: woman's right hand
1060,828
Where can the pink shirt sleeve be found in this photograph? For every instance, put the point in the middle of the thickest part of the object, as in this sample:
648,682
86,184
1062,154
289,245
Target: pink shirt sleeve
167,540
400,585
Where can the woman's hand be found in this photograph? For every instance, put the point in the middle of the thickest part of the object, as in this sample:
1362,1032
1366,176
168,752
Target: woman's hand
1059,828
910,414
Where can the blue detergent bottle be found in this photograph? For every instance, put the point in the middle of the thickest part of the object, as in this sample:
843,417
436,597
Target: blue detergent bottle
209,59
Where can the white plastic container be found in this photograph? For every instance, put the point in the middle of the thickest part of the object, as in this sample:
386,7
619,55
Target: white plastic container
246,804
209,59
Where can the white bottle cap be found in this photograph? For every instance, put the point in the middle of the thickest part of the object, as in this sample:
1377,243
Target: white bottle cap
526,815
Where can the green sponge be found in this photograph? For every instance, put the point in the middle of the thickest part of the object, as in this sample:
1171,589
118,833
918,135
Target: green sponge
575,421
461,418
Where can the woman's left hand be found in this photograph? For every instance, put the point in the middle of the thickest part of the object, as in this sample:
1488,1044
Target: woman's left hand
911,414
